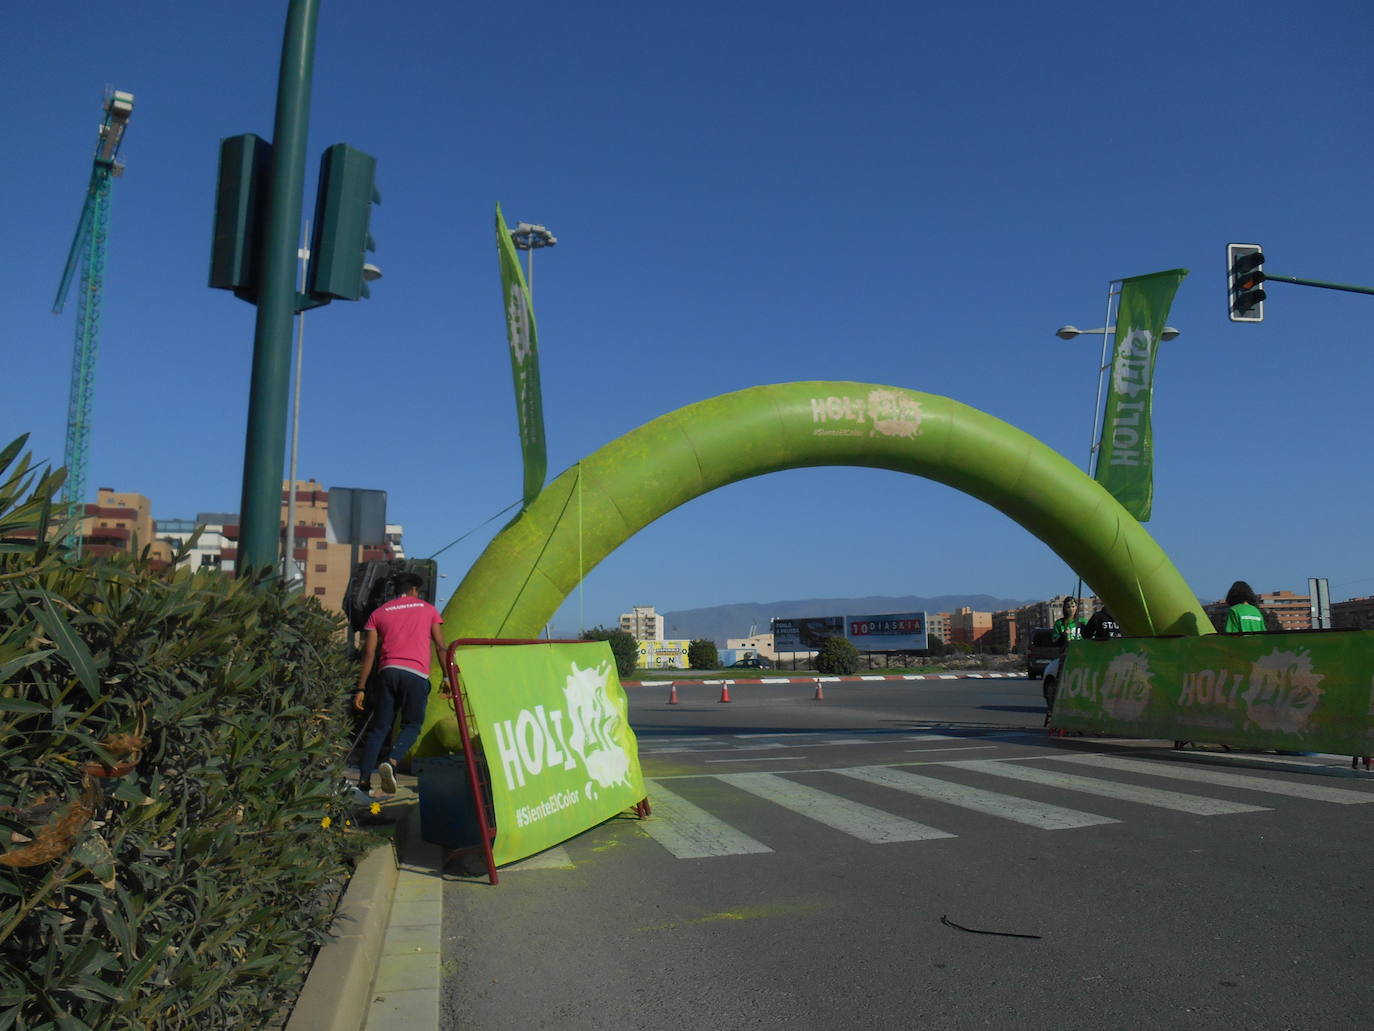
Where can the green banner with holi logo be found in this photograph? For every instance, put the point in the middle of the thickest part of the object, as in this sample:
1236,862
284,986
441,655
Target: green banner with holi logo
1125,451
524,360
1304,691
559,748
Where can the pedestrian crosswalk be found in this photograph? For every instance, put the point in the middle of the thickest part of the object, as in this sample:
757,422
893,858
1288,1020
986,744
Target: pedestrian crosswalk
816,739
689,831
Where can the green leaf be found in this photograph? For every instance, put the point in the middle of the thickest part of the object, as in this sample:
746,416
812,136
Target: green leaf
72,647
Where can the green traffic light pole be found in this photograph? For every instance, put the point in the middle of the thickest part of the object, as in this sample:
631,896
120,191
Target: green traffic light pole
265,444
1270,278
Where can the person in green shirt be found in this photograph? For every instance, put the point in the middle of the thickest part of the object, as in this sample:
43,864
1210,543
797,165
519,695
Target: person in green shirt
1244,615
1068,627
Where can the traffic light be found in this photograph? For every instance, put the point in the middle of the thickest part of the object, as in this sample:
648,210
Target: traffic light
1244,274
245,163
343,209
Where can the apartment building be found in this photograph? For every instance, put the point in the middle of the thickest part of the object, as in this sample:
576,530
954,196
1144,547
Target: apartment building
969,627
322,564
1294,611
1353,614
937,625
1004,633
119,521
643,623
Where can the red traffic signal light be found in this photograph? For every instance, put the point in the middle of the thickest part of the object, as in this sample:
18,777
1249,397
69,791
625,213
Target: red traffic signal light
1244,274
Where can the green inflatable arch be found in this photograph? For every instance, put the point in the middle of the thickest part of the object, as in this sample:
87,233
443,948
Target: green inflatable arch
534,563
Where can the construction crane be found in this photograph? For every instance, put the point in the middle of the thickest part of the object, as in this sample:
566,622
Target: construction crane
88,248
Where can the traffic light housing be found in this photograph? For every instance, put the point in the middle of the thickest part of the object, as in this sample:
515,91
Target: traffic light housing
245,164
1244,274
343,210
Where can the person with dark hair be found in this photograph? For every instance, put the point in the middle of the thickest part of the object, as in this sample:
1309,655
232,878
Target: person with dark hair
1068,627
1244,615
399,636
1102,626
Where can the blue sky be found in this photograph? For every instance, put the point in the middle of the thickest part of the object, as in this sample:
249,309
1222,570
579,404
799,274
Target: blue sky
748,193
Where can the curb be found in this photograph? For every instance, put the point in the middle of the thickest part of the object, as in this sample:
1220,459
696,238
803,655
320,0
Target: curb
337,989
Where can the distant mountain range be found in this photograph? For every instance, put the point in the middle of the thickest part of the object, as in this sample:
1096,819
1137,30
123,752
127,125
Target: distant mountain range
719,623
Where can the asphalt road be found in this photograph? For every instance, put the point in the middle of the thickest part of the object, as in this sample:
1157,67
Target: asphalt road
807,862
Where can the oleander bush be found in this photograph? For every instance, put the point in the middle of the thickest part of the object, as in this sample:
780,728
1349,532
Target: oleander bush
837,657
171,747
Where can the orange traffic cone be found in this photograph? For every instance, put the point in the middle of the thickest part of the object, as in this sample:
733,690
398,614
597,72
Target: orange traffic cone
820,695
725,691
672,695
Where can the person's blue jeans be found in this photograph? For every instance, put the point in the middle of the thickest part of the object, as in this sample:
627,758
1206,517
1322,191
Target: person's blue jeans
401,691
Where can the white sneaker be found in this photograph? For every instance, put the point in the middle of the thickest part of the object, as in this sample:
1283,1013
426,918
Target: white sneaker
388,778
360,798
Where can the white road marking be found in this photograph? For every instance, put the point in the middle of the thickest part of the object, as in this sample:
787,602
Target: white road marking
1007,807
853,818
1179,771
760,759
1175,800
690,832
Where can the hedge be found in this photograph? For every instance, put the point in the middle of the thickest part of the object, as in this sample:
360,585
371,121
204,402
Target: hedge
171,753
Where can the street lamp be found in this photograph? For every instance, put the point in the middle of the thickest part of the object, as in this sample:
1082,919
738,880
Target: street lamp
527,237
1069,332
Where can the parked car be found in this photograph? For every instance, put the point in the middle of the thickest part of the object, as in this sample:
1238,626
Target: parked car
1049,686
1041,652
752,662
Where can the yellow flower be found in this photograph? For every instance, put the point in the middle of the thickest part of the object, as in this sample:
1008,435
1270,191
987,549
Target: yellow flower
375,808
326,822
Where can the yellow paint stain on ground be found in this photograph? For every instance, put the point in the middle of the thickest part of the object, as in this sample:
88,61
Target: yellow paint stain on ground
771,910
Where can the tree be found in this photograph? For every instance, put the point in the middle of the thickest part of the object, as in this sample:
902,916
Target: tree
837,657
623,646
702,654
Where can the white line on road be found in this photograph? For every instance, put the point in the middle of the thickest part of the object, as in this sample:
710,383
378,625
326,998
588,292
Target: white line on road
1008,807
853,818
1175,800
951,748
690,832
759,759
1178,771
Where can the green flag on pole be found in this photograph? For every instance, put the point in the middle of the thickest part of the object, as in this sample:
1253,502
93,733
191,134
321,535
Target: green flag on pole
1125,452
524,360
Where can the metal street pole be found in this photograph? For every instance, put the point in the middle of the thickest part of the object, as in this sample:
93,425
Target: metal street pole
265,443
291,572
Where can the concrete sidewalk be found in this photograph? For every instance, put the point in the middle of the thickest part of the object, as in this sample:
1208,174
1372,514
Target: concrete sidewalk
381,970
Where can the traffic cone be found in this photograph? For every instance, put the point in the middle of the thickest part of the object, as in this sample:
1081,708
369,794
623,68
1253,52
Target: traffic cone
672,695
725,691
820,695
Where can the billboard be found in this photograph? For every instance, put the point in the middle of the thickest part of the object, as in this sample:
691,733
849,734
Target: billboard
552,719
888,632
893,632
663,654
805,634
1303,691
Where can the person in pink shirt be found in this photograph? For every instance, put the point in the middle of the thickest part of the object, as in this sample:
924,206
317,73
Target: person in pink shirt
399,636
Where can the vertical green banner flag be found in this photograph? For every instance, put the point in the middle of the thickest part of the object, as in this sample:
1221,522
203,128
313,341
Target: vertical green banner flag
524,360
560,752
1125,453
